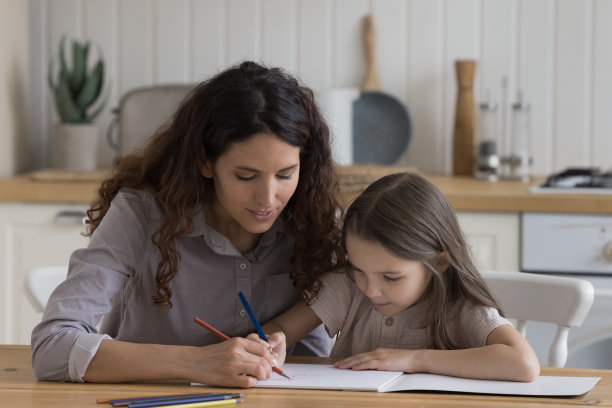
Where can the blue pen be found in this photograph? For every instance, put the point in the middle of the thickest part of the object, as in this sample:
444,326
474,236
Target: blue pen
260,331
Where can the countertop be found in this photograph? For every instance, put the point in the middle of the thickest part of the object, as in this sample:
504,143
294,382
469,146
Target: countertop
464,193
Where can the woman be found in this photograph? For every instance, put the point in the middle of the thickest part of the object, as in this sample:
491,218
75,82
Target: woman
238,193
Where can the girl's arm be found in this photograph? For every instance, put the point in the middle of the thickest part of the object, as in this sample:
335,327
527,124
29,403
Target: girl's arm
290,327
218,364
507,356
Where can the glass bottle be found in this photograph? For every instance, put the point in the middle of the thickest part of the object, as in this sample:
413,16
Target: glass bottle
520,159
486,164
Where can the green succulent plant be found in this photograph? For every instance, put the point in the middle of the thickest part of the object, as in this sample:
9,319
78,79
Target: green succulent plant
77,88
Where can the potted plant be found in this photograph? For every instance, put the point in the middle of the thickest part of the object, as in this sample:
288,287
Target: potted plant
77,88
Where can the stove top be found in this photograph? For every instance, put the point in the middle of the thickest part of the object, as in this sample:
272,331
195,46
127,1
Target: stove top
588,180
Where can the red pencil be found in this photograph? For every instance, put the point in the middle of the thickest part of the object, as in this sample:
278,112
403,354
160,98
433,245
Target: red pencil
225,337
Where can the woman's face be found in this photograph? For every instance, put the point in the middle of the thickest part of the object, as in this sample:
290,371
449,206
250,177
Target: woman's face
254,180
392,284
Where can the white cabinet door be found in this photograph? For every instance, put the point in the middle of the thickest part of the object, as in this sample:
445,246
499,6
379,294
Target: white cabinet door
32,235
494,238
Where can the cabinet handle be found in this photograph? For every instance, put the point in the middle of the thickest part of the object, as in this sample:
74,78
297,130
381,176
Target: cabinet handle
70,217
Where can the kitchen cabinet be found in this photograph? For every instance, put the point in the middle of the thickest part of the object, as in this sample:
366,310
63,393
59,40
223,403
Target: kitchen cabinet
31,235
493,237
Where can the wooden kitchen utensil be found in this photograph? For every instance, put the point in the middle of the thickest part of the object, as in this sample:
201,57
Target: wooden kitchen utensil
464,135
371,81
381,124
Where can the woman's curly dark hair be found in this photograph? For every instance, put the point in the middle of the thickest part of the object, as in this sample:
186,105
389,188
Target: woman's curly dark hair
231,107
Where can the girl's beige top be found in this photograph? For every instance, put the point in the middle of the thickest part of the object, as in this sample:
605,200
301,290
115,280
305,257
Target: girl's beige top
346,311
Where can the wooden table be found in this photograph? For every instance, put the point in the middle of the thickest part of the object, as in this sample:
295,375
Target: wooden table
19,388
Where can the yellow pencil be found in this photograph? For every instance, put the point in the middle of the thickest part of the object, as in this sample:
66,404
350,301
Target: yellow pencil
206,404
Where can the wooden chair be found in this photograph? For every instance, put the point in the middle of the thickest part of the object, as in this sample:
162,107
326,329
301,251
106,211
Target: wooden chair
544,298
39,283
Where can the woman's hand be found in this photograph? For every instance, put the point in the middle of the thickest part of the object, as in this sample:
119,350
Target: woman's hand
383,359
238,362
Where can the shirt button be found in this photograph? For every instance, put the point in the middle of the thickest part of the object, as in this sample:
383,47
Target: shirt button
242,312
243,266
389,321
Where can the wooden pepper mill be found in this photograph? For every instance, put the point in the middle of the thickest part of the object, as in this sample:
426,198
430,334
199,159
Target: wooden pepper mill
464,136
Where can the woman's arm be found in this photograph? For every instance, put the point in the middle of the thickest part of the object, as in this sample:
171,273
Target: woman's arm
507,356
220,364
66,345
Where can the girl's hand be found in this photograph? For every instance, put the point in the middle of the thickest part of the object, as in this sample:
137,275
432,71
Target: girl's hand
383,359
237,362
278,342
276,347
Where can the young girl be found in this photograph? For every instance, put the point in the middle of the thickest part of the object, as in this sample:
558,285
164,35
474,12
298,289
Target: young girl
410,298
237,193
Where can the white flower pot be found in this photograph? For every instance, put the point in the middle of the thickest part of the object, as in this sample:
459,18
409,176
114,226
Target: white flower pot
74,146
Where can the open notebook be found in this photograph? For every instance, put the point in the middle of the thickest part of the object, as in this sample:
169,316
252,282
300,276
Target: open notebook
319,376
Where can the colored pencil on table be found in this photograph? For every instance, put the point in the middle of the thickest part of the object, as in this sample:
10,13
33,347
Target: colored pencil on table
206,404
178,401
118,402
225,337
172,398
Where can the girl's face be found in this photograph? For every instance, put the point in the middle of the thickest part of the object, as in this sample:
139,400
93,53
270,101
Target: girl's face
392,284
253,181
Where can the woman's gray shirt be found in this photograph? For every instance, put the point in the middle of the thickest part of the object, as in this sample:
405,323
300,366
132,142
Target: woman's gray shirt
114,279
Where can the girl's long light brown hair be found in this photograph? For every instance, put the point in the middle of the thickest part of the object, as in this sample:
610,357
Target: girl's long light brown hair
411,218
231,107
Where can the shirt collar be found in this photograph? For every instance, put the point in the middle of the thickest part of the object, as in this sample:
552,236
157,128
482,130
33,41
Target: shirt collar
221,244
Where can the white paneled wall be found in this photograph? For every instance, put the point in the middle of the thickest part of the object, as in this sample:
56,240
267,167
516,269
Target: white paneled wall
557,52
14,154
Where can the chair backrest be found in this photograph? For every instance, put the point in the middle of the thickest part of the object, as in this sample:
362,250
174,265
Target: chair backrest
141,112
544,298
39,283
